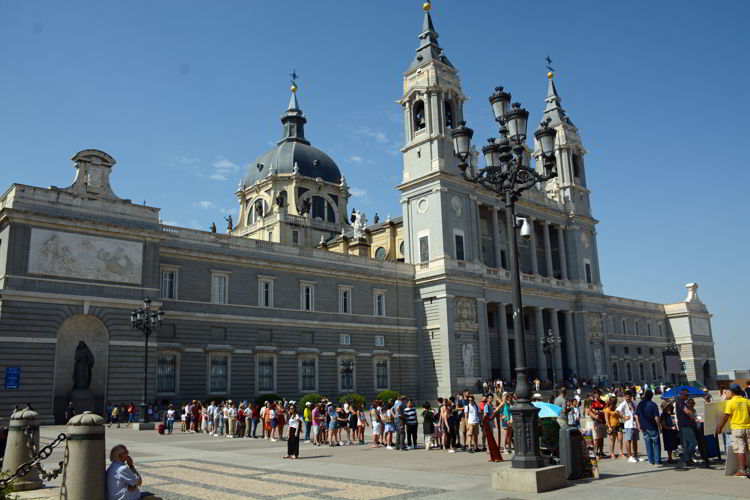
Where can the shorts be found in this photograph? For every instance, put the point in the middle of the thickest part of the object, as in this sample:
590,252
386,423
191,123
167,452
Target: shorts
376,428
273,423
315,430
615,430
600,430
471,429
740,439
462,426
631,434
333,425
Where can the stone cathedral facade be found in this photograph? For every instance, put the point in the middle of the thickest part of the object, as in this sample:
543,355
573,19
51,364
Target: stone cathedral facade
299,296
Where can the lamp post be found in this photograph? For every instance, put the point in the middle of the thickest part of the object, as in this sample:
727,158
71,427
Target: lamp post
147,322
549,344
507,176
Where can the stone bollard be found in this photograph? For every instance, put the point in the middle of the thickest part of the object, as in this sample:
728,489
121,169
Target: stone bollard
83,468
17,452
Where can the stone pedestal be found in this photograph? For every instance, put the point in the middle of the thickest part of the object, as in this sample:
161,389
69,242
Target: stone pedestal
507,478
83,466
359,246
144,426
17,451
82,399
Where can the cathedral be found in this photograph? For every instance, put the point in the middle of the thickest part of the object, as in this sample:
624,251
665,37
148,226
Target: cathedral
301,296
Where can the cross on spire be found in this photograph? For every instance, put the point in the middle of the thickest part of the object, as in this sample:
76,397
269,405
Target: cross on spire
549,63
294,76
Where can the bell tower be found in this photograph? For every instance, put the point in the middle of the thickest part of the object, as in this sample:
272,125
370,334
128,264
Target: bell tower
433,104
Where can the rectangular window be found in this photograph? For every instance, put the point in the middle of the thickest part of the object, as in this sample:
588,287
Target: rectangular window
588,273
627,350
346,374
219,285
345,300
219,372
424,249
345,339
459,240
628,372
648,328
624,327
639,350
641,371
379,340
166,378
615,372
653,371
379,303
265,373
265,292
661,332
308,374
637,328
169,284
307,297
381,374
650,350
295,237
612,349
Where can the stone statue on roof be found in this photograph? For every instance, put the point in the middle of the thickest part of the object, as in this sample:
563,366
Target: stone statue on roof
360,223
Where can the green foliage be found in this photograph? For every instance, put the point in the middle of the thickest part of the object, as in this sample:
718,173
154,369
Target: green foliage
311,398
261,400
357,399
387,395
5,493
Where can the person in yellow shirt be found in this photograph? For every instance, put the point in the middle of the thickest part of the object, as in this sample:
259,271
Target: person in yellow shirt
738,409
307,417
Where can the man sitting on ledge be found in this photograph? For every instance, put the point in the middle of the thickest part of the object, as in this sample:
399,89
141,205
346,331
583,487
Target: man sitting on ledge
122,478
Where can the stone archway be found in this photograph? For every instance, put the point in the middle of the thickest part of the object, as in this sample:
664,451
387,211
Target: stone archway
91,330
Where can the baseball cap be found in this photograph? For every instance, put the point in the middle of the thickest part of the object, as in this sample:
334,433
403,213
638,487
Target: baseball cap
735,387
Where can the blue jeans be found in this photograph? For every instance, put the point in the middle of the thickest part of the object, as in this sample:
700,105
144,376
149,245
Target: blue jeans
689,444
221,426
170,425
255,426
308,427
653,446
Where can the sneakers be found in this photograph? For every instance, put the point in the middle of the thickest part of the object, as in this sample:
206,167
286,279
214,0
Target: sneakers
633,460
642,459
389,447
451,451
740,473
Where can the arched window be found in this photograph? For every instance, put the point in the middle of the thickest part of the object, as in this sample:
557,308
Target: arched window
257,211
419,119
448,114
318,207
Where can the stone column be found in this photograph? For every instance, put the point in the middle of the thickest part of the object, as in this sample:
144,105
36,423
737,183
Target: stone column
84,459
570,343
532,246
547,250
484,339
540,356
17,451
561,252
496,238
558,353
502,318
478,228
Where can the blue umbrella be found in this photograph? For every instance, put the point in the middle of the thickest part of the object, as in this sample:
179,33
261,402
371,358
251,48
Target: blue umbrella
547,410
692,391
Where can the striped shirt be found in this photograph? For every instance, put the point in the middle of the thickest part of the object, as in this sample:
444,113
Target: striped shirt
411,415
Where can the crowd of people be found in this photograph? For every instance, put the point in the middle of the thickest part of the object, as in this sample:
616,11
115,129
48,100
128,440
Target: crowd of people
464,422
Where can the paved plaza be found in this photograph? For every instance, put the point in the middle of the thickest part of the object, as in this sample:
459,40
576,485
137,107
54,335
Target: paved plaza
193,467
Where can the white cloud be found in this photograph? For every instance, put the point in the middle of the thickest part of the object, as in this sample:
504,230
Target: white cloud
378,135
356,159
358,193
208,205
223,168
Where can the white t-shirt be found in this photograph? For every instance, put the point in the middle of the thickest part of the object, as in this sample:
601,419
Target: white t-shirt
170,414
294,421
473,412
627,410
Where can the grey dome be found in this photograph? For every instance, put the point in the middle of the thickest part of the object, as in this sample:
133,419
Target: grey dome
293,148
311,161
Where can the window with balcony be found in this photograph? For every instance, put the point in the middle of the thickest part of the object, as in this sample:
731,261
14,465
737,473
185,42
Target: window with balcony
218,373
379,303
307,296
307,374
166,373
265,291
345,299
266,373
381,374
168,286
219,287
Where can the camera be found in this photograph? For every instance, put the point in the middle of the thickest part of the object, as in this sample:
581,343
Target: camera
527,230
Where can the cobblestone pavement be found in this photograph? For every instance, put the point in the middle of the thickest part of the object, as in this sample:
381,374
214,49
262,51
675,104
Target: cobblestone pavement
196,467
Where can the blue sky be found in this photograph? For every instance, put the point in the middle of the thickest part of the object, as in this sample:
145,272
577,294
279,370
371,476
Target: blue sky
185,94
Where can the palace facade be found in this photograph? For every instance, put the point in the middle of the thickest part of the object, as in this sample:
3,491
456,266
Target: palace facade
301,296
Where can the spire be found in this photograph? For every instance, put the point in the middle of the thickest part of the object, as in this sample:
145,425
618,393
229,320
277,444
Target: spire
294,120
554,110
429,48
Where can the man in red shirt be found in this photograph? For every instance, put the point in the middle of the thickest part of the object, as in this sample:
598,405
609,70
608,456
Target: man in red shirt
596,412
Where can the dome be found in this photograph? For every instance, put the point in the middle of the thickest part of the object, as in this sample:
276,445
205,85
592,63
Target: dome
311,161
293,149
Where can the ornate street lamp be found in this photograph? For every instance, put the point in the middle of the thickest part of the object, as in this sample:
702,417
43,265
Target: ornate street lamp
506,174
549,344
147,322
